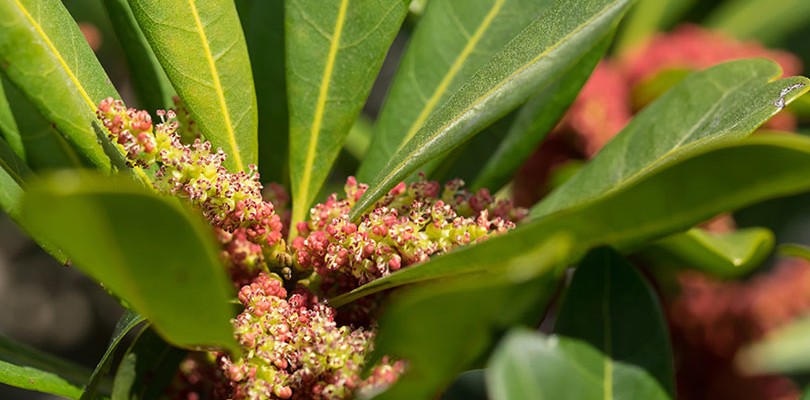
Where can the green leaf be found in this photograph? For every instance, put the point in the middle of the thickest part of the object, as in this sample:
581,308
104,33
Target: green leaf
721,104
45,55
8,126
13,175
795,250
128,320
151,84
530,365
668,201
530,62
646,91
36,379
43,147
535,120
21,355
416,327
202,49
611,307
334,51
150,251
452,40
759,20
263,23
147,369
725,255
783,351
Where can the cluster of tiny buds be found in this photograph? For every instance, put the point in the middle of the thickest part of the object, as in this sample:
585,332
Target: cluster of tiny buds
294,349
232,202
410,224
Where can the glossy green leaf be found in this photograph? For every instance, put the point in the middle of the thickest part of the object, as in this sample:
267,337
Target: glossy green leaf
416,327
43,52
647,18
452,40
535,120
668,201
783,351
43,147
334,51
150,251
530,62
646,91
721,104
725,255
359,138
18,354
795,250
13,176
36,379
530,365
761,20
202,49
263,23
610,306
151,84
147,369
8,125
128,320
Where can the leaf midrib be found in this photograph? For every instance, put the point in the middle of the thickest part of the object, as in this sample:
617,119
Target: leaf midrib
302,196
398,168
451,74
56,54
73,78
223,105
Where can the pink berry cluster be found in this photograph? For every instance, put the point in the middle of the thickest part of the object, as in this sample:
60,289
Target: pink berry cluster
410,224
248,226
293,349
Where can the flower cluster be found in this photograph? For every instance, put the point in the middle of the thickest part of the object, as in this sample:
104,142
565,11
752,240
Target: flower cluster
248,226
411,223
712,320
294,349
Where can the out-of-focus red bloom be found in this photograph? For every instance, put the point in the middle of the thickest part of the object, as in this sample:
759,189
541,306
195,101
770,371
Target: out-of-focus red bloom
711,320
692,47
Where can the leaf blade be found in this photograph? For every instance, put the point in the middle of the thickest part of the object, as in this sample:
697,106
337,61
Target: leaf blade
440,57
527,64
126,323
38,380
203,51
721,104
354,54
60,75
670,201
611,307
415,324
147,260
724,255
530,365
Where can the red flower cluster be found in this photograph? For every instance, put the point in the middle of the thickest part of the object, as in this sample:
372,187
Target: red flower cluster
294,349
712,320
410,224
247,225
